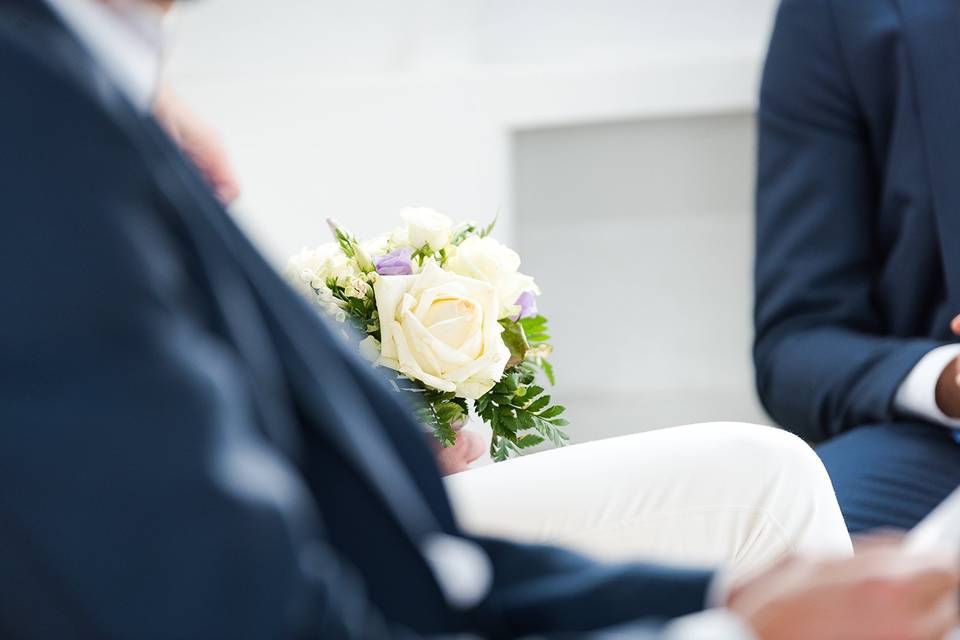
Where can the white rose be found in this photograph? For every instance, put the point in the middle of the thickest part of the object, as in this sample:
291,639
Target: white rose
441,328
487,260
426,227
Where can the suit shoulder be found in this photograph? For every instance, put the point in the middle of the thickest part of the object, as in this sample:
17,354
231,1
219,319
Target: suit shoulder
21,45
843,17
41,68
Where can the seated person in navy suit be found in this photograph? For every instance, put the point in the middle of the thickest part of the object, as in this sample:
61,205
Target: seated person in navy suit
187,451
858,247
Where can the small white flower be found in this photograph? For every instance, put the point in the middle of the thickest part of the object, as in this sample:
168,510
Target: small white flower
357,288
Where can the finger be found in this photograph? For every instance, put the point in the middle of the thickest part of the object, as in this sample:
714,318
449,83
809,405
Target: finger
228,193
879,539
955,325
933,585
209,156
940,621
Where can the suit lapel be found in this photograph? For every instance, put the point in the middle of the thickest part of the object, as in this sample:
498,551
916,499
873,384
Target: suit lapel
932,34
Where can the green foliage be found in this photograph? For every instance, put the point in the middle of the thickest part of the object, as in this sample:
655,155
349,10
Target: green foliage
535,328
361,312
486,231
470,229
422,254
521,414
346,242
463,233
439,411
516,341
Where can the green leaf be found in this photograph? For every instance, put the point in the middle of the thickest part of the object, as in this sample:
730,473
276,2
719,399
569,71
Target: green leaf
548,371
486,231
499,449
539,404
445,434
526,420
508,421
553,412
516,341
463,234
533,392
530,440
482,403
552,433
535,328
345,242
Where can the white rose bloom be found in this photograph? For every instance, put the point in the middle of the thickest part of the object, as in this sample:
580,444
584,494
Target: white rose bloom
426,227
441,328
487,260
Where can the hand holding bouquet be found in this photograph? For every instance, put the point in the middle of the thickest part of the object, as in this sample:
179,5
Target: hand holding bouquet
446,308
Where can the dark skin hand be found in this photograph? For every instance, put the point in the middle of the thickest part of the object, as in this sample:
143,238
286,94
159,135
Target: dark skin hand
948,386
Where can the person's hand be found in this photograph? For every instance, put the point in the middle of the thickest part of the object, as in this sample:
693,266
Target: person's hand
881,594
457,458
199,142
948,385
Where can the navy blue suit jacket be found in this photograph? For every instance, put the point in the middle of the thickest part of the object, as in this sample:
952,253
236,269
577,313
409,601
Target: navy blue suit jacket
858,208
185,450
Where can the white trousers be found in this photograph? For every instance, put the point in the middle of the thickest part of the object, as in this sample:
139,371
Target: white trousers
719,494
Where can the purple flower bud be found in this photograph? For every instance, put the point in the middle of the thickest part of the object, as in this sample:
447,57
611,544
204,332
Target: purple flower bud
395,263
528,306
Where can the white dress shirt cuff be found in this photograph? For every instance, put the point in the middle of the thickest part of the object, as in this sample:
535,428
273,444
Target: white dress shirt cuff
917,397
713,624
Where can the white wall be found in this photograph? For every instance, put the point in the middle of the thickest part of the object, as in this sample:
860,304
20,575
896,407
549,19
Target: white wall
641,236
354,109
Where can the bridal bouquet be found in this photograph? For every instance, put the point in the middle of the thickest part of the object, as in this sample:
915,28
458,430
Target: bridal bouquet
445,307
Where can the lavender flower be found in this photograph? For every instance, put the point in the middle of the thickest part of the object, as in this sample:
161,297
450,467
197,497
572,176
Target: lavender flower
528,306
396,263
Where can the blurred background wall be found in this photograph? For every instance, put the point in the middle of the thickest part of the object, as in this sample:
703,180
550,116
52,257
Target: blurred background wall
613,137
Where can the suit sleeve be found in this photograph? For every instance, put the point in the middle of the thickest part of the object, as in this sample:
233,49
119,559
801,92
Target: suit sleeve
546,591
823,363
